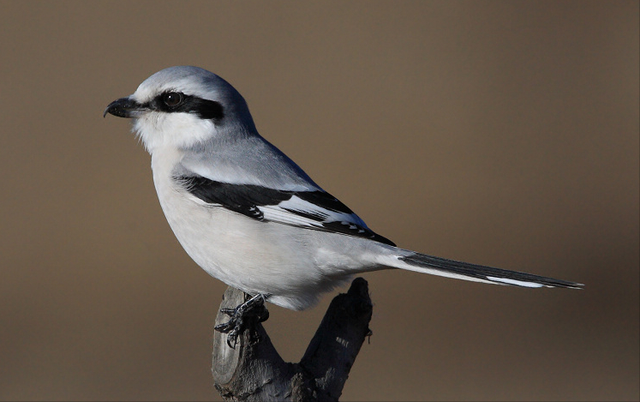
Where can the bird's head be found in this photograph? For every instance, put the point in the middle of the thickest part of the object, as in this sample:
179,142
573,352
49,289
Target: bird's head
183,106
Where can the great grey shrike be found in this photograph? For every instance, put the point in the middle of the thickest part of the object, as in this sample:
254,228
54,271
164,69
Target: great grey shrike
247,214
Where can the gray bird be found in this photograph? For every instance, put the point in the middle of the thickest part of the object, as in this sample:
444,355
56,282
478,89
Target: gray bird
247,214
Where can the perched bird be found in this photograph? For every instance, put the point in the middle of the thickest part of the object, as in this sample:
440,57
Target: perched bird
247,214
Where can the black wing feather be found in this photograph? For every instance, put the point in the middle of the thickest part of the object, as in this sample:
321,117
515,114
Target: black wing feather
248,198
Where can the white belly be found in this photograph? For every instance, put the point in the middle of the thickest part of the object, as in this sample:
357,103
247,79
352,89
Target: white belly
292,265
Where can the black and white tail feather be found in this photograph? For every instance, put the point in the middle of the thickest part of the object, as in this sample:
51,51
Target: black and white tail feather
479,273
247,214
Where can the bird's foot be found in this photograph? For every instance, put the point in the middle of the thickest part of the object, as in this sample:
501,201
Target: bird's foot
254,307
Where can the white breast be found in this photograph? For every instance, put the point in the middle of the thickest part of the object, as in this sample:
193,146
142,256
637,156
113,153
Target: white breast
291,264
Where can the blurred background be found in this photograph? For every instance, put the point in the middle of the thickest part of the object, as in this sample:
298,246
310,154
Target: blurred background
499,133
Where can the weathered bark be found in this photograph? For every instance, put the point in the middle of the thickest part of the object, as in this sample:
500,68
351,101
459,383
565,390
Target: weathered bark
254,371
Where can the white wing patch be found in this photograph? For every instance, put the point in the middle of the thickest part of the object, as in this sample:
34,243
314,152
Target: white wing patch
296,211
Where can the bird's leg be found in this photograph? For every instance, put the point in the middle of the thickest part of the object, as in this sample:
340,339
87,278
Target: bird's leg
252,307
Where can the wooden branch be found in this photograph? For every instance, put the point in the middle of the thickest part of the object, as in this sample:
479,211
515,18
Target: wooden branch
254,371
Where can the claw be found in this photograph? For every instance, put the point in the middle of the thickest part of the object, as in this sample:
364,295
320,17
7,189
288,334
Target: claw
234,327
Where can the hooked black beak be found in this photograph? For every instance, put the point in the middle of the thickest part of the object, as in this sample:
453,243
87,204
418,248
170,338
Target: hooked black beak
123,107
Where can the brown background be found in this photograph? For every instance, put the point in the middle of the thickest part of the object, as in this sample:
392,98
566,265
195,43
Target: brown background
501,133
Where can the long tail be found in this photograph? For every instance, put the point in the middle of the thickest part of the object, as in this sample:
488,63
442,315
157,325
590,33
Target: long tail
423,263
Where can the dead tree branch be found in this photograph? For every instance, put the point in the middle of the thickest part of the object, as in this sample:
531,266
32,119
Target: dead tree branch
254,371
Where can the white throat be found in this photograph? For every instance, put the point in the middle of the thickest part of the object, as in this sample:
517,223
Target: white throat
174,130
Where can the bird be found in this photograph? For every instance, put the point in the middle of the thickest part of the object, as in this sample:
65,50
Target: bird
250,216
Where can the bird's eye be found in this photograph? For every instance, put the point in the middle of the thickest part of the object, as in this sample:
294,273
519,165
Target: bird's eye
172,99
